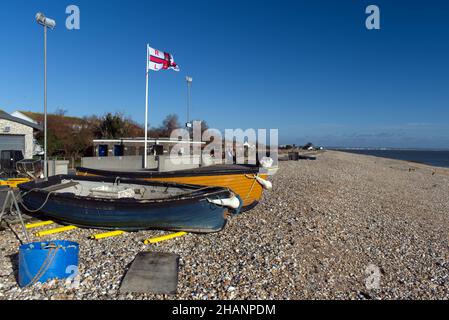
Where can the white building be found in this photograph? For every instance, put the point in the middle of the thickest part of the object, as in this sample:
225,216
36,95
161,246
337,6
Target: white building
17,134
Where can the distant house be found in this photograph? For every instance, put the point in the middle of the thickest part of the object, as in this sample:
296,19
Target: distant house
17,134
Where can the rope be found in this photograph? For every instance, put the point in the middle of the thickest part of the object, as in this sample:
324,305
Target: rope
45,265
22,195
40,207
205,188
252,185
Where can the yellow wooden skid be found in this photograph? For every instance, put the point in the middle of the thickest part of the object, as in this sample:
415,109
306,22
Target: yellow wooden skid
54,230
107,234
163,238
38,224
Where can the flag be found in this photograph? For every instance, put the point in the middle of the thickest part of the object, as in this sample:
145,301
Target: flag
159,60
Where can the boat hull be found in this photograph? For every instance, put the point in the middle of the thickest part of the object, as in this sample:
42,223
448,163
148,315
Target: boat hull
195,214
240,180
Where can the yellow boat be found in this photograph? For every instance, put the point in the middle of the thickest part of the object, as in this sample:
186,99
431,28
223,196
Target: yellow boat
245,180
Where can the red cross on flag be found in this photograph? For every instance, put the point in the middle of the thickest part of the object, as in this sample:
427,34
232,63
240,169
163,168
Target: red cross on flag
159,60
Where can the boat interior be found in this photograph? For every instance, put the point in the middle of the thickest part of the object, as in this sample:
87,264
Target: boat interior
111,190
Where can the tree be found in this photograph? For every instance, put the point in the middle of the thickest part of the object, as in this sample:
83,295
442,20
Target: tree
76,140
114,126
133,129
60,112
170,123
111,126
68,137
54,144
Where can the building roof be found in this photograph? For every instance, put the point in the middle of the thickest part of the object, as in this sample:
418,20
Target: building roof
20,115
6,116
149,140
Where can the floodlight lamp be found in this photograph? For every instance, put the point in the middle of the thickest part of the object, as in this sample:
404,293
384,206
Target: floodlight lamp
44,21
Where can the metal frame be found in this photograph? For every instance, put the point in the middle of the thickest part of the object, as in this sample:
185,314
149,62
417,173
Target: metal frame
12,197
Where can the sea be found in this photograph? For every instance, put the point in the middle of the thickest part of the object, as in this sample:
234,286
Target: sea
438,158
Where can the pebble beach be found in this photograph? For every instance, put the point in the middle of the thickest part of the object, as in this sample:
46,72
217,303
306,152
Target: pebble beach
325,230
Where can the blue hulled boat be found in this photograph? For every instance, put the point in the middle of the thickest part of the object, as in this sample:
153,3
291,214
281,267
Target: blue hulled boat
126,204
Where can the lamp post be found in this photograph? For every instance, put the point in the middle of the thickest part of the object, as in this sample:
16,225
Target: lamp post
46,23
188,123
189,84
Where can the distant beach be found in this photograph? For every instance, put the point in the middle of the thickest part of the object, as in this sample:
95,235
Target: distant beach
438,158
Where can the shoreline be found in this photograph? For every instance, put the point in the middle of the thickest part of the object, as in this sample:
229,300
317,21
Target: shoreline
388,149
385,157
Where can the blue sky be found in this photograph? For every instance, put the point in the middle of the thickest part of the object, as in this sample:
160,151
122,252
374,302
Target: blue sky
309,68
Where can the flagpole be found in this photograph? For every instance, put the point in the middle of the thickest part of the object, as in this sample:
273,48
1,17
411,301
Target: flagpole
146,114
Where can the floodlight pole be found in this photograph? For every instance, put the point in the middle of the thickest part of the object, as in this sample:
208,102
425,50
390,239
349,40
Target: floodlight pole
45,22
189,83
45,103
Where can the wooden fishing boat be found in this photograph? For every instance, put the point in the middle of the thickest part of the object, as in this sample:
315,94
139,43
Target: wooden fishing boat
125,204
245,180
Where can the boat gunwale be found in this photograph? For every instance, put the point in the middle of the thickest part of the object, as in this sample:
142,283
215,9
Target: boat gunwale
202,171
